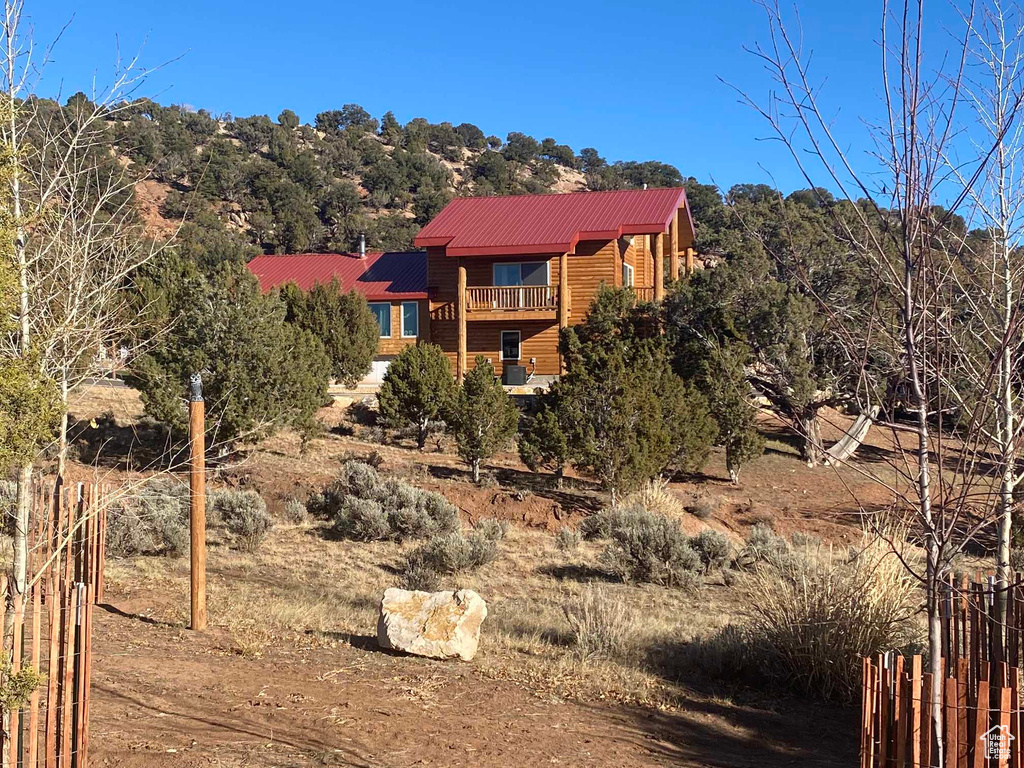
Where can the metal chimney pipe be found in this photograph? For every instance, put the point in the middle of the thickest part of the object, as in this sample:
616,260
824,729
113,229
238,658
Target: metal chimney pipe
362,246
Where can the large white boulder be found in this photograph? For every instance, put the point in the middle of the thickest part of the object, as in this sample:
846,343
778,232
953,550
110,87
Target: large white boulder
439,625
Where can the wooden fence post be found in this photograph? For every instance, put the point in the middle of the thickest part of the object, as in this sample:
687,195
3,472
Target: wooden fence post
197,499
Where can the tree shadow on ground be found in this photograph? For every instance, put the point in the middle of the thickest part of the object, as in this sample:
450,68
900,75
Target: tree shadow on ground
710,732
579,572
577,499
104,442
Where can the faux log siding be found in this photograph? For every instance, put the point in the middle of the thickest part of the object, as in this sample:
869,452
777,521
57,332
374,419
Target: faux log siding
595,262
644,261
395,344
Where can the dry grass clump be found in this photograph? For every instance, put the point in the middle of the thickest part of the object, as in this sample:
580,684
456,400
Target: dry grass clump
821,611
601,625
655,496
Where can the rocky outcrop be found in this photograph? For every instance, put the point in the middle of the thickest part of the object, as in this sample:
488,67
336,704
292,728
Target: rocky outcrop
439,625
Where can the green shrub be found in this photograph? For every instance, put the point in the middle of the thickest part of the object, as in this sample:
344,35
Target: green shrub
154,521
245,515
453,553
295,511
650,548
713,548
361,505
421,577
703,507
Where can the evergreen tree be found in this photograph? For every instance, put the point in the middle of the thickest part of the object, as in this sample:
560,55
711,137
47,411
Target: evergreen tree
482,416
542,442
259,372
725,381
623,414
342,322
418,388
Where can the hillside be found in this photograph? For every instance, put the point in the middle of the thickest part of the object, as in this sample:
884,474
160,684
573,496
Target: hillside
286,186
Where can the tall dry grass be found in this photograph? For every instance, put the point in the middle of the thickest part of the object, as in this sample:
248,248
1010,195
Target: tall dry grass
820,610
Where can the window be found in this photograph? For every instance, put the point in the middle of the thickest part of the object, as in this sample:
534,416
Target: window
383,312
510,345
524,273
627,275
410,319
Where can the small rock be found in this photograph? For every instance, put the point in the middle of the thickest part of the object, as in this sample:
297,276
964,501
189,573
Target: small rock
439,625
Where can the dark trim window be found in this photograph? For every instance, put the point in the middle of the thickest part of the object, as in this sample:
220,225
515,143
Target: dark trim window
522,273
511,346
410,319
382,310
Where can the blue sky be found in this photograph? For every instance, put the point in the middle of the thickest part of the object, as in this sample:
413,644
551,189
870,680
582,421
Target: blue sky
637,80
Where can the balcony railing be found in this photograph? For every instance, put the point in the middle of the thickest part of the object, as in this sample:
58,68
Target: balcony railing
493,298
644,294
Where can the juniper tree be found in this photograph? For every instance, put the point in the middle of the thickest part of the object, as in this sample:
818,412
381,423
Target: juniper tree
542,442
626,417
259,371
482,416
418,389
342,322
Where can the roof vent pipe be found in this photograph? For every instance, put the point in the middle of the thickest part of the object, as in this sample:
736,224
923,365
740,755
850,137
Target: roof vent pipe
645,185
362,246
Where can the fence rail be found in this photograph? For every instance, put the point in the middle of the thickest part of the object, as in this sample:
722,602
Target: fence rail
980,688
50,627
490,298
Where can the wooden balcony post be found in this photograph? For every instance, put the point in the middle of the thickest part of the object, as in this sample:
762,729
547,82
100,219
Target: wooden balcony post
563,303
673,247
690,253
461,309
657,248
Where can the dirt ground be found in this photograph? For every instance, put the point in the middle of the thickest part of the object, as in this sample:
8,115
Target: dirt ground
290,674
164,696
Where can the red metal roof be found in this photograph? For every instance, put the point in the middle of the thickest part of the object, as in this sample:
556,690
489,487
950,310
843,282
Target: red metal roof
549,223
379,277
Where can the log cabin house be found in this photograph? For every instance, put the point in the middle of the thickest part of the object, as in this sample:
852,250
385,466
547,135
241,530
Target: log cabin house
394,284
500,276
505,274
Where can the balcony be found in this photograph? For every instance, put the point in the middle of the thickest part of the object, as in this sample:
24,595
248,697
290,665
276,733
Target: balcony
524,302
644,294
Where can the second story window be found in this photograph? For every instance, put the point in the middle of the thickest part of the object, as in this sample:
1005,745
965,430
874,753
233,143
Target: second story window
627,275
382,310
522,273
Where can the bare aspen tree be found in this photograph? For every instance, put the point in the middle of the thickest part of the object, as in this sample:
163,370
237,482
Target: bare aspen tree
992,284
912,338
75,237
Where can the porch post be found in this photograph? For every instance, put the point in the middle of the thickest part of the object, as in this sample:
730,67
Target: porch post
657,247
690,253
563,303
673,247
461,357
